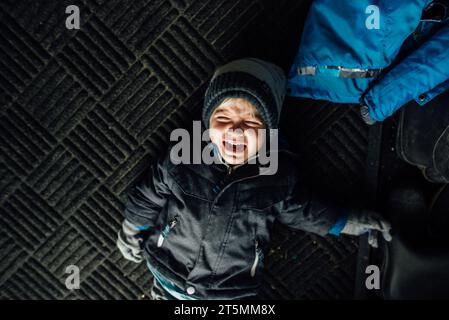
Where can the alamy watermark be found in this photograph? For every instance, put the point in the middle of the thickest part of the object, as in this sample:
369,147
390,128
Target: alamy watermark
373,20
373,280
73,20
188,148
72,282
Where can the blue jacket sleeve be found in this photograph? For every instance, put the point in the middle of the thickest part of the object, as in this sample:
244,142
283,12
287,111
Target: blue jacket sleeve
429,95
424,69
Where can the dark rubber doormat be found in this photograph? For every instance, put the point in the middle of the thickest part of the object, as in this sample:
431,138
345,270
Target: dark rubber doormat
84,112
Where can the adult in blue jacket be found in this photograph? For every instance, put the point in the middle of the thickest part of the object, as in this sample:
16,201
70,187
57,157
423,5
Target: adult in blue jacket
381,54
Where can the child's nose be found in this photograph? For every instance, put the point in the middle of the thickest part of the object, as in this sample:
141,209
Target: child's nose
235,131
236,126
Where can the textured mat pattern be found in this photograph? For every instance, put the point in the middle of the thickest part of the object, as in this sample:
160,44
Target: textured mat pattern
84,112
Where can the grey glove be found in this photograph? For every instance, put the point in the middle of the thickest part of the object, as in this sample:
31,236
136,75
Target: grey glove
360,222
364,112
129,243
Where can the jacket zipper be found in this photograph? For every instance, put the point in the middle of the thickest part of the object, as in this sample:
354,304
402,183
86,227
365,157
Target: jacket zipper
224,180
257,258
167,230
230,169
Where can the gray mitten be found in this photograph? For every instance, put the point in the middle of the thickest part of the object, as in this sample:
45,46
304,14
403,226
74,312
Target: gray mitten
364,112
360,222
129,243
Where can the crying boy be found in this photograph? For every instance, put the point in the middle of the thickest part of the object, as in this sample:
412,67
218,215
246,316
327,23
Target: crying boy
203,228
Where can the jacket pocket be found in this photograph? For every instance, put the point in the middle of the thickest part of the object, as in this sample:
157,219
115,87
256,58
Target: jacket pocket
168,227
258,258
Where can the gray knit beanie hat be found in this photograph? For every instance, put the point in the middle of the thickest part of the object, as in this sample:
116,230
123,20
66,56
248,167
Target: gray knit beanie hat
260,82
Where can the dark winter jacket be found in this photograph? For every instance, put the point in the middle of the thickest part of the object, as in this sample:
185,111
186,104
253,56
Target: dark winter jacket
210,225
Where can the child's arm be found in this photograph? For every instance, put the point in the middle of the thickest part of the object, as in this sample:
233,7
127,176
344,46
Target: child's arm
145,201
301,211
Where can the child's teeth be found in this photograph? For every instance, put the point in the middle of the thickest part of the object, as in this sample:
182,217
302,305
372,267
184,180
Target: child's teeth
234,146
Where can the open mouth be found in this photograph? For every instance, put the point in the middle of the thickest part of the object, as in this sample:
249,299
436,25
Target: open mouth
233,147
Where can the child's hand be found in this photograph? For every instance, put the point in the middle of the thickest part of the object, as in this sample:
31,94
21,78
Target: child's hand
368,221
364,112
129,243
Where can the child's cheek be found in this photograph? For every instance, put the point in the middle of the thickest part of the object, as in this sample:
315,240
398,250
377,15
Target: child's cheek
214,136
253,142
261,138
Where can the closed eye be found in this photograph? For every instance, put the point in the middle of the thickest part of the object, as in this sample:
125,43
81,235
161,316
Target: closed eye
253,123
222,119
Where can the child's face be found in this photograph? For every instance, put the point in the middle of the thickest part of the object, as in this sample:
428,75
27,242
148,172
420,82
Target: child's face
234,129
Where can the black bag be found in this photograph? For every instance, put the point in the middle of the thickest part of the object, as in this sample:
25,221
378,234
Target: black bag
423,137
416,261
